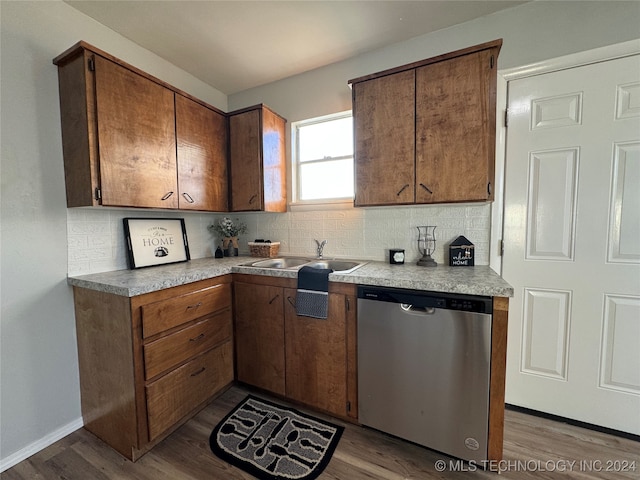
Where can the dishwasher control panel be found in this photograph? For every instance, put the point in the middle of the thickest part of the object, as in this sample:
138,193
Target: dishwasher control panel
427,299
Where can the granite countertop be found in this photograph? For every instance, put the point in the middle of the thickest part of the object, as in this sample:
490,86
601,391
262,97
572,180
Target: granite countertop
478,280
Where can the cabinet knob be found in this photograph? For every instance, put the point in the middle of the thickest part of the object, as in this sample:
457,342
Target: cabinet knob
166,195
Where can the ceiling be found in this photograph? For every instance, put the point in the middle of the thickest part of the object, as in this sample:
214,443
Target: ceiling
235,45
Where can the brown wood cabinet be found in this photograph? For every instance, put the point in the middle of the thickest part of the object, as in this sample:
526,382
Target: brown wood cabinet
257,160
425,132
303,359
149,363
201,135
259,335
384,135
317,354
132,140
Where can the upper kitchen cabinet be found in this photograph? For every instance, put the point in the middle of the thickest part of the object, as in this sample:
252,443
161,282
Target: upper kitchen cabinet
425,132
201,134
384,133
257,160
119,128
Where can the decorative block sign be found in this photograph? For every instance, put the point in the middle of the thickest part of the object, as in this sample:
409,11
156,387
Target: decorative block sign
155,241
461,253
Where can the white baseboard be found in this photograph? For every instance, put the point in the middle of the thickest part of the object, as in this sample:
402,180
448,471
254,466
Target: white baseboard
44,442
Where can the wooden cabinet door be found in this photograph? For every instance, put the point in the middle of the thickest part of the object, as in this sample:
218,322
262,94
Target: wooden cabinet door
384,131
455,129
259,336
245,161
316,356
257,160
274,178
201,135
136,137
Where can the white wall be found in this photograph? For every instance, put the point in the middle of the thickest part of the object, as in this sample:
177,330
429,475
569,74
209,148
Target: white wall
39,397
39,391
532,32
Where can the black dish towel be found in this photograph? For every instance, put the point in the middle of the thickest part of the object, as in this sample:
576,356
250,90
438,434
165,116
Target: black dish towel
312,298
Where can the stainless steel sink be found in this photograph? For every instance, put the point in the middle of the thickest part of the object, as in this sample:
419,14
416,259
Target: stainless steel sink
338,266
295,263
282,262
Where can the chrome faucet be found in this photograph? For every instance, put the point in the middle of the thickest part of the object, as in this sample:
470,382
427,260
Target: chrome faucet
320,247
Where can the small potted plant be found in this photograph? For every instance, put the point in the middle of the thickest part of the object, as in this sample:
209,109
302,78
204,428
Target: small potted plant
228,230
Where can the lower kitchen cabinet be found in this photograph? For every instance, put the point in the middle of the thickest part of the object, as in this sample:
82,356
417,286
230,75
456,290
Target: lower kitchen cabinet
259,336
307,360
317,355
149,363
180,391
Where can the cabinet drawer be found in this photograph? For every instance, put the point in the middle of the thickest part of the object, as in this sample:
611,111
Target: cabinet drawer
164,353
165,314
176,394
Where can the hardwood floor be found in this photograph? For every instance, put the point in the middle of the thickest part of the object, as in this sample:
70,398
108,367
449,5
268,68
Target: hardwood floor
534,448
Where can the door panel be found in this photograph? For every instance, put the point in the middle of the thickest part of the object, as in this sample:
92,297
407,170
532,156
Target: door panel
259,336
552,188
202,156
455,134
316,356
136,135
572,249
384,137
624,223
245,161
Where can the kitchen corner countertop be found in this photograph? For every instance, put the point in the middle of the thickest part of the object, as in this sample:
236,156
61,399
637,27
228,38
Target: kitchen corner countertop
478,280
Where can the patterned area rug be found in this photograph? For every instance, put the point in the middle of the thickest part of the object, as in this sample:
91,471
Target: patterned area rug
273,442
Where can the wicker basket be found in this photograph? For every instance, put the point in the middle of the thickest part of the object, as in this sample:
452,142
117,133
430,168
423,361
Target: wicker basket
264,249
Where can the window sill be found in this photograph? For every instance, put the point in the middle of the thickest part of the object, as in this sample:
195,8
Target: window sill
340,204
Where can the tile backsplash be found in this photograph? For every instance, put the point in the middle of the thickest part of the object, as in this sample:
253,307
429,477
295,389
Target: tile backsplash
96,235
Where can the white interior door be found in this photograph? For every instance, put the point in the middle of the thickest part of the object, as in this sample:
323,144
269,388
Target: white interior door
572,243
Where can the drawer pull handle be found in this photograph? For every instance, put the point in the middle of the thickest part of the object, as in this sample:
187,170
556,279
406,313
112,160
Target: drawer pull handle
166,195
253,197
292,301
199,337
198,372
273,299
402,190
194,306
426,188
188,197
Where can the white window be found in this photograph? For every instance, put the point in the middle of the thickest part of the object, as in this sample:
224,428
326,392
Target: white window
323,159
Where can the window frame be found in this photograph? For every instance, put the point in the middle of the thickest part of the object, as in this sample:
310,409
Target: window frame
339,202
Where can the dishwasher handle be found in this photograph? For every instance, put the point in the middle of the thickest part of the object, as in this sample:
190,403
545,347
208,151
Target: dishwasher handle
427,299
420,310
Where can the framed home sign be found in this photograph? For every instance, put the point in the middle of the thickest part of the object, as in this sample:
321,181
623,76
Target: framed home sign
155,241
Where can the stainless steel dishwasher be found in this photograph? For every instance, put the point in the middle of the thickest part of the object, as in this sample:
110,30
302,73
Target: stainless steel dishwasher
423,367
